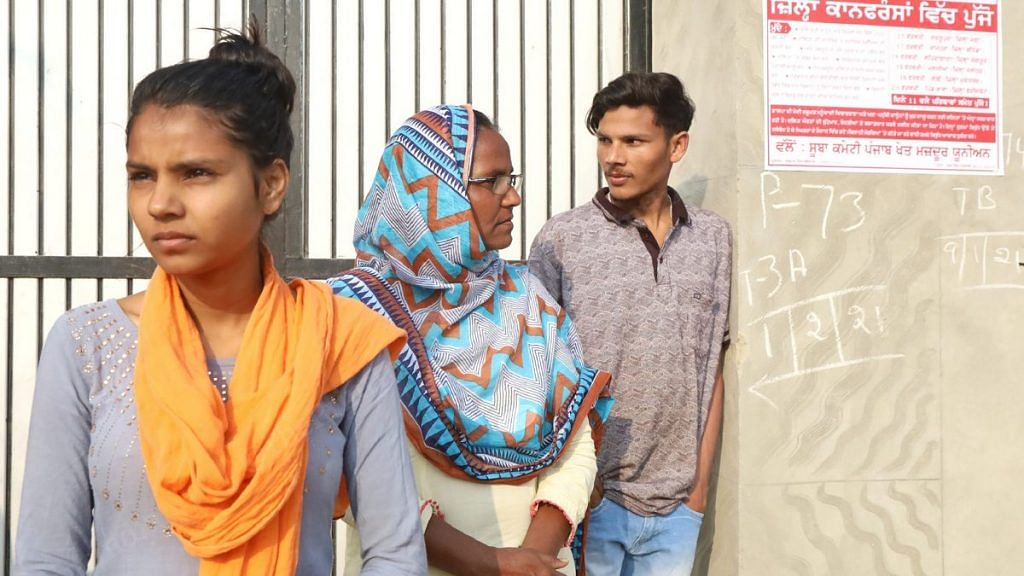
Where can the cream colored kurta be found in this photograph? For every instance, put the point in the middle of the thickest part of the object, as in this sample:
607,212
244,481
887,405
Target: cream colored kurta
499,514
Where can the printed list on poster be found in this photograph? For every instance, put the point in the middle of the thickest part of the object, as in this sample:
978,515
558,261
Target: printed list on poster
909,86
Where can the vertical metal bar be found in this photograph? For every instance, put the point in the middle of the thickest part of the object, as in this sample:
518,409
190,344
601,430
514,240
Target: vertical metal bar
600,66
416,52
444,51
270,14
286,30
362,94
99,146
495,31
184,28
626,44
387,69
547,104
303,138
258,9
572,104
159,32
9,384
8,391
334,133
522,117
68,198
40,172
41,140
216,20
638,45
131,82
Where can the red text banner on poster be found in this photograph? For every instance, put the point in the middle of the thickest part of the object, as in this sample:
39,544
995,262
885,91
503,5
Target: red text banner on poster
834,122
933,14
939,101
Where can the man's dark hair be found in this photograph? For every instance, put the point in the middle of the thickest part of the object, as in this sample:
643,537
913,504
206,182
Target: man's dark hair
663,92
241,83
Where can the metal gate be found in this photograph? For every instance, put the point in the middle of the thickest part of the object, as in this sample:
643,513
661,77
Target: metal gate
362,67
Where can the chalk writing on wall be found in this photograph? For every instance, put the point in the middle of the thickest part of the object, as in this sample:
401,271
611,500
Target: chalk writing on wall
986,260
1013,150
825,332
836,211
769,273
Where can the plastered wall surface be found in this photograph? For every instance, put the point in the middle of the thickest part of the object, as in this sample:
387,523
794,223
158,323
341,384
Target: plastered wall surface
874,408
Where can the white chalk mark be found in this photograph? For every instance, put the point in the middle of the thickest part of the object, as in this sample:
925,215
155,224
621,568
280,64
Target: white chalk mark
815,332
765,381
794,267
950,248
981,234
985,193
750,288
984,261
963,259
828,205
784,205
819,298
767,341
835,329
755,390
860,319
778,275
995,286
857,196
764,197
963,198
792,341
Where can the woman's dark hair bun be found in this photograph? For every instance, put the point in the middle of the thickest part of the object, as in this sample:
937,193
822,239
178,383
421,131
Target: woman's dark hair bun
241,83
249,49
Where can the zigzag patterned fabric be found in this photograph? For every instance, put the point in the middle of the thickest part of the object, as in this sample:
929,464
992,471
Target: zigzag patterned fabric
492,378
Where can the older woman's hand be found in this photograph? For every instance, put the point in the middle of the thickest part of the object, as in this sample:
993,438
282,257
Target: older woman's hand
526,562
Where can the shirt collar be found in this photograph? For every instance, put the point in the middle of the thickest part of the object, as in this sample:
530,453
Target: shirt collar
616,214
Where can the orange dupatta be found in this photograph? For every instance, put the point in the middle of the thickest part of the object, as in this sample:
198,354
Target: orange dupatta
228,477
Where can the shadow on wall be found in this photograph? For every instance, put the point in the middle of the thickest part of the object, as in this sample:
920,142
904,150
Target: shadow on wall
705,542
693,190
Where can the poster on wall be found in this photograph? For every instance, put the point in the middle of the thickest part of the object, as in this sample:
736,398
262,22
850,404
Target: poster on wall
907,86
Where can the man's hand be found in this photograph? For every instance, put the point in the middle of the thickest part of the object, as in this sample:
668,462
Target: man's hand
597,494
697,500
526,562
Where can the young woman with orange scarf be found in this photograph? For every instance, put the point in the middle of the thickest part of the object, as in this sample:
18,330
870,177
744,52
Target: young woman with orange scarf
206,425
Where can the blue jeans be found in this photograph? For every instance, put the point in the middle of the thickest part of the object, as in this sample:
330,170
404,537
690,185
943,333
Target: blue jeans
621,543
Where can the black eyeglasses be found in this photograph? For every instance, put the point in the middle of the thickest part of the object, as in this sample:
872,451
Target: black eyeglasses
500,185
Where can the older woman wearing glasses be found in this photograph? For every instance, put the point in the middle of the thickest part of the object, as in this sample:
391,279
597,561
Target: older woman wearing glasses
499,409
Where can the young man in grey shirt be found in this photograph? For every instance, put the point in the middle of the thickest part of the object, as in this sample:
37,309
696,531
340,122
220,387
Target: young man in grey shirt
646,279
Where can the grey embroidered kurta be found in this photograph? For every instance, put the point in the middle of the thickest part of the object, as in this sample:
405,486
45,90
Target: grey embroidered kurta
84,468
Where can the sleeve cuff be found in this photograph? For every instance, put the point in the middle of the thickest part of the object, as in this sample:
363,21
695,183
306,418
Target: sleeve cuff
572,525
429,509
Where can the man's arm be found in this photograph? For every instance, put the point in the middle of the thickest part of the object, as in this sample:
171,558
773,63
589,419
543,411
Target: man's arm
458,553
698,497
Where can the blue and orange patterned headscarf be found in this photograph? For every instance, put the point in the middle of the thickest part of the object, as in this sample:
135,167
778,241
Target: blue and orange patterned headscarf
492,378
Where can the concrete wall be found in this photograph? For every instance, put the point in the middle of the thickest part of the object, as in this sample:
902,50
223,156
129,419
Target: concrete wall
907,461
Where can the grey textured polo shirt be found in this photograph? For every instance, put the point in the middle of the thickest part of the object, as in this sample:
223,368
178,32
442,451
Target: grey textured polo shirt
657,319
